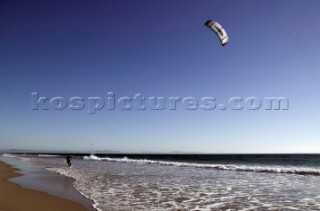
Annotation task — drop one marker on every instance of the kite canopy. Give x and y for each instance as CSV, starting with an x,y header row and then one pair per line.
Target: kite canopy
x,y
219,30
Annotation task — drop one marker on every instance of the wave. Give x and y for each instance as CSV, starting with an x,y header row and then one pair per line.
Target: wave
x,y
26,155
48,155
9,155
230,167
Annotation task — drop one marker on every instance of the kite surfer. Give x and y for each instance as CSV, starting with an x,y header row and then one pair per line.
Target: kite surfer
x,y
68,160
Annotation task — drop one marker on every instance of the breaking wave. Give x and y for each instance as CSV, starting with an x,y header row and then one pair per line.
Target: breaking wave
x,y
48,155
229,167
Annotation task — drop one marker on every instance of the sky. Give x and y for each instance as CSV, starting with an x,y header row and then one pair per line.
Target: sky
x,y
85,49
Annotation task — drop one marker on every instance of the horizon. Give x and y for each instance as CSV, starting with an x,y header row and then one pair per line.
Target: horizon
x,y
112,53
111,152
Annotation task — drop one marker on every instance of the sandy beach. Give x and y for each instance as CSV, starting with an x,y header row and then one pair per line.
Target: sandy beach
x,y
15,198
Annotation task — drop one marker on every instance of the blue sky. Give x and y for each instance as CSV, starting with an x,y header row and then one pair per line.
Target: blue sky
x,y
160,48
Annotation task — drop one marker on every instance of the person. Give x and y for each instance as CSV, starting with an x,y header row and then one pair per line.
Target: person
x,y
68,160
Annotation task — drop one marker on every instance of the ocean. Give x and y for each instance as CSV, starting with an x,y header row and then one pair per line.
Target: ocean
x,y
191,182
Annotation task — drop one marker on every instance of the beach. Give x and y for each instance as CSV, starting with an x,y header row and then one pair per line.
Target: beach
x,y
14,197
159,105
179,182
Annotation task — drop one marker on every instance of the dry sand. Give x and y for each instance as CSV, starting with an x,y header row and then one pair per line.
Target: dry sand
x,y
15,198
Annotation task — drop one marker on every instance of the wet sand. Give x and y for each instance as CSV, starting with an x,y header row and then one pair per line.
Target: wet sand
x,y
14,197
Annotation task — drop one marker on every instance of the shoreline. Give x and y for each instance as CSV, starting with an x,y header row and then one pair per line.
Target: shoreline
x,y
16,197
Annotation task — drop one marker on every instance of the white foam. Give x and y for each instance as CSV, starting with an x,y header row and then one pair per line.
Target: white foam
x,y
78,177
48,156
9,155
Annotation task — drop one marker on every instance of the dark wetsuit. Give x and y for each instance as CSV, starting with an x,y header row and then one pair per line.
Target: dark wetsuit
x,y
68,159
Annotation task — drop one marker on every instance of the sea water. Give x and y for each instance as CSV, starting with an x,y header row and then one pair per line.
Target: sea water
x,y
192,182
